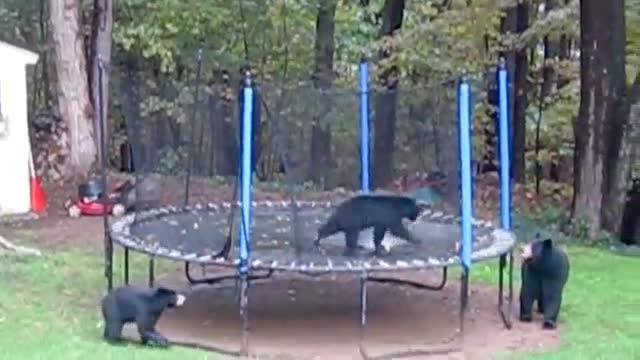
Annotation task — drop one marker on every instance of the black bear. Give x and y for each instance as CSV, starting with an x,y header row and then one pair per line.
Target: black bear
x,y
545,271
143,306
382,212
629,233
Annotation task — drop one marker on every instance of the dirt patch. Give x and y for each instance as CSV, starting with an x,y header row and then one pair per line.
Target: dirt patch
x,y
302,318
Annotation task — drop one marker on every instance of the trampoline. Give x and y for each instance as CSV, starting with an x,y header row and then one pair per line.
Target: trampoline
x,y
259,237
196,234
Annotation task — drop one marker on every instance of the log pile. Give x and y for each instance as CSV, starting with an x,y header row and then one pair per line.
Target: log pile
x,y
50,147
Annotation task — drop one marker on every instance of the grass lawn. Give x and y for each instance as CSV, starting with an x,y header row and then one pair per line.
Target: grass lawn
x,y
48,309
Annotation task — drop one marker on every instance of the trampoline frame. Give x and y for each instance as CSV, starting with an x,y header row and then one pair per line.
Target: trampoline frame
x,y
244,275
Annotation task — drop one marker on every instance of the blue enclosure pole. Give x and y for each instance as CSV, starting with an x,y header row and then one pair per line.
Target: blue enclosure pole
x,y
505,181
245,221
464,123
364,126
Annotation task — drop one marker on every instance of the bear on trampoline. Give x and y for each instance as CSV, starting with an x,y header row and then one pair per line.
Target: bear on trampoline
x,y
382,212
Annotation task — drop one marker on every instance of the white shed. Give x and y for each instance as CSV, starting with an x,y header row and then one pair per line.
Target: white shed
x,y
14,129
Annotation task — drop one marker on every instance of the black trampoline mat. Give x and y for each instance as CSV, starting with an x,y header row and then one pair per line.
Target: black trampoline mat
x,y
199,233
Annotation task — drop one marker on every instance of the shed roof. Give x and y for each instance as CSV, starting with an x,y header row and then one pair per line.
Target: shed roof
x,y
12,52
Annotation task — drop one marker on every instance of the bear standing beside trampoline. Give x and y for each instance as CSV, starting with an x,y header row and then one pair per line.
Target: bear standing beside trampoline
x,y
545,271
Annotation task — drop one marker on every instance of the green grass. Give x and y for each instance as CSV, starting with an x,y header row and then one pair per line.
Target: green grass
x,y
601,307
49,309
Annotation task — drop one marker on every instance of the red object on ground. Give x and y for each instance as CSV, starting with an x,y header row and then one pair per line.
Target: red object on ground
x,y
38,196
95,207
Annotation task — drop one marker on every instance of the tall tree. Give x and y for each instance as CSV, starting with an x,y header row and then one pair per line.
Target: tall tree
x,y
621,133
322,75
598,123
551,53
73,88
515,21
102,27
384,122
520,98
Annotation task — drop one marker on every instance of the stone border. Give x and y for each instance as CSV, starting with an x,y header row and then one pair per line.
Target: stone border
x,y
502,241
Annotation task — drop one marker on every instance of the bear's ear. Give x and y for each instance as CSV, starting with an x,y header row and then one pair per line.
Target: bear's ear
x,y
547,244
163,291
423,205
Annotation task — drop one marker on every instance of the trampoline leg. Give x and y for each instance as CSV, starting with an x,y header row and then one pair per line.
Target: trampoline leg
x,y
505,314
108,261
510,298
244,313
151,272
433,350
126,266
363,315
464,297
363,302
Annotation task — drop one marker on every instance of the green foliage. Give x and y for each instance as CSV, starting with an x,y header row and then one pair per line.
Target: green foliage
x,y
171,162
633,37
278,37
576,231
600,306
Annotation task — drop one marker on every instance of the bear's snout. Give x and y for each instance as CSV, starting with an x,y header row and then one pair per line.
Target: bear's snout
x,y
180,299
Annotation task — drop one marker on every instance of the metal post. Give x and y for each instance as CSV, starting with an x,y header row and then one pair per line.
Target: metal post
x,y
364,126
505,190
245,219
126,266
152,277
247,122
505,181
466,188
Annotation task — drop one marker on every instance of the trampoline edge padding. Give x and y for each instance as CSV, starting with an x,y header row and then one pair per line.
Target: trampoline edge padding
x,y
499,242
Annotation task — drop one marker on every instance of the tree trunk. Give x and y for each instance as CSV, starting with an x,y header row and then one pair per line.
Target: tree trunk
x,y
384,122
44,38
320,157
100,48
509,24
623,146
600,97
618,160
564,53
73,88
225,139
551,53
520,101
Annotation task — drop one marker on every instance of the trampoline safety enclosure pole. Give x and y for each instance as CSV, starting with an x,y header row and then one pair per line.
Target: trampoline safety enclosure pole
x,y
247,117
464,123
505,181
364,126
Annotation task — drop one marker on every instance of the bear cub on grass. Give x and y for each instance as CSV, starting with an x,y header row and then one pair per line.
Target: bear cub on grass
x,y
128,304
545,271
381,212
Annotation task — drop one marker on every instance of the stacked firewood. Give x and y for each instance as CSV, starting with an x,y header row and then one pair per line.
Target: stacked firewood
x,y
50,144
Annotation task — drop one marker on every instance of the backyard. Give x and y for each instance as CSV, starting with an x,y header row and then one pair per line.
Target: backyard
x,y
480,111
49,304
